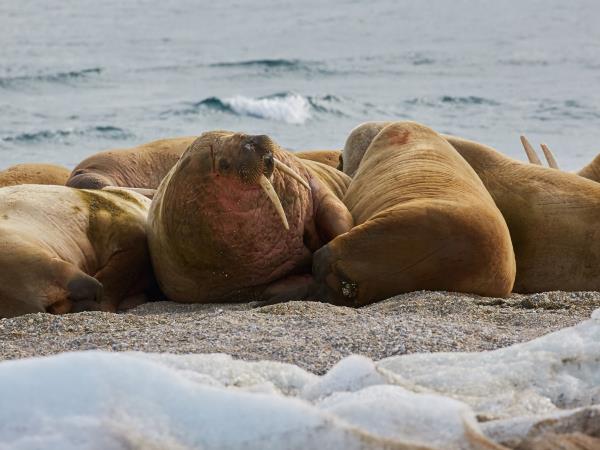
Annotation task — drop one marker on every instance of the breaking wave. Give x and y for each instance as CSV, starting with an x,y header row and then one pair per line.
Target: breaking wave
x,y
288,107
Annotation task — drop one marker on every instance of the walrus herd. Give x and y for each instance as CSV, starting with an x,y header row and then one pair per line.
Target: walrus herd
x,y
227,216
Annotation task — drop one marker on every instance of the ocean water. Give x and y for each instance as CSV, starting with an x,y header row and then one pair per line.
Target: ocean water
x,y
79,76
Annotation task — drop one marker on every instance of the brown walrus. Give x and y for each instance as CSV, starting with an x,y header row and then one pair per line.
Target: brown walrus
x,y
551,215
68,250
238,219
591,171
331,158
33,173
423,220
142,167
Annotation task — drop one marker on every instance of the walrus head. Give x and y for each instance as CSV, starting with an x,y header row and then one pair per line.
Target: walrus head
x,y
251,159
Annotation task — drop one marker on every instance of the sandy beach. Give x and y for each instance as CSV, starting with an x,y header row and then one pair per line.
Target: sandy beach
x,y
311,335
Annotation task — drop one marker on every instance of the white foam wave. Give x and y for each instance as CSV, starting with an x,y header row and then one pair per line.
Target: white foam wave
x,y
290,108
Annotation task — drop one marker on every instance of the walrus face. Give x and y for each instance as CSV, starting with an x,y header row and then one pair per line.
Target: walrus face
x,y
254,158
251,159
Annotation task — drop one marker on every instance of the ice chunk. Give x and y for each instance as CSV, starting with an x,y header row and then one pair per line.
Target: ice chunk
x,y
350,374
559,370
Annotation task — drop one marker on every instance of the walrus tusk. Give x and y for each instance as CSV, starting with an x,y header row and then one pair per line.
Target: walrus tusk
x,y
266,185
289,171
549,157
531,154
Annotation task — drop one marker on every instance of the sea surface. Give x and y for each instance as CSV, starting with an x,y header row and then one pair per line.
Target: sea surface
x,y
79,76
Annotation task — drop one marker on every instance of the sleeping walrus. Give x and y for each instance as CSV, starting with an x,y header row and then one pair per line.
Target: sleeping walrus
x,y
423,219
141,167
68,250
552,215
33,173
238,218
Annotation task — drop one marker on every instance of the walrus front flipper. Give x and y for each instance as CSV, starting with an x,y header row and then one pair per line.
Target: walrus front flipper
x,y
73,290
332,218
292,288
84,292
133,260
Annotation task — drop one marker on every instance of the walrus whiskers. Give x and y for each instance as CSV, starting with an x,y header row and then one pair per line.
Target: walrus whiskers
x,y
266,185
549,157
531,154
289,171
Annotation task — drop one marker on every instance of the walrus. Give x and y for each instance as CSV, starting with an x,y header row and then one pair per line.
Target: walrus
x,y
34,173
424,220
66,250
552,216
591,171
238,218
141,167
331,158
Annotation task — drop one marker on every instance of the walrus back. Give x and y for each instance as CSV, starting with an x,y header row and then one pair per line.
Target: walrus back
x,y
552,217
33,173
331,158
143,166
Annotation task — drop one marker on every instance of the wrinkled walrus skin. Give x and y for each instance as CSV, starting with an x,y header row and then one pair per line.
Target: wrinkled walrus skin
x,y
142,167
423,220
64,250
33,173
552,216
215,235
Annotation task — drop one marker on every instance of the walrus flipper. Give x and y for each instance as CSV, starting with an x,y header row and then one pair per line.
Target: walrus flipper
x,y
332,218
84,292
291,288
